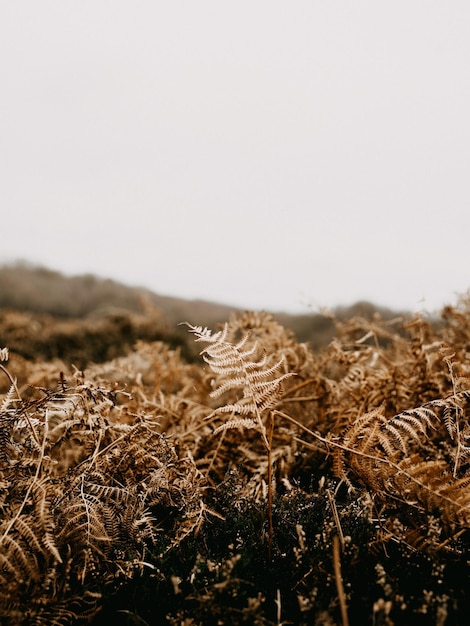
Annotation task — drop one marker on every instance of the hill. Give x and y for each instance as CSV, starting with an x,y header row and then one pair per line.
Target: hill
x,y
44,313
25,287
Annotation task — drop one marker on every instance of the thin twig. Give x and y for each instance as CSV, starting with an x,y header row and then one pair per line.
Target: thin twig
x,y
336,517
339,581
270,485
292,390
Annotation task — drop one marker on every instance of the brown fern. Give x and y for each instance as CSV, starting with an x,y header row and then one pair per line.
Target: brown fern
x,y
238,368
391,457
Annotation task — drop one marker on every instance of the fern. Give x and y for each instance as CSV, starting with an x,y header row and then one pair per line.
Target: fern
x,y
75,493
238,368
387,455
7,400
236,423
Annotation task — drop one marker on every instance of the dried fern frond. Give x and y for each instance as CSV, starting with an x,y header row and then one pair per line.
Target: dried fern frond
x,y
77,509
238,368
390,456
236,423
7,400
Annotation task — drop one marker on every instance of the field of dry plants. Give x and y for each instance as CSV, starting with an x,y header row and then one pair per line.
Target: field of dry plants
x,y
245,480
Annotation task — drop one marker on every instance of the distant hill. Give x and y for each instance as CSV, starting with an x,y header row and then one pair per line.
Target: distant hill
x,y
45,292
35,289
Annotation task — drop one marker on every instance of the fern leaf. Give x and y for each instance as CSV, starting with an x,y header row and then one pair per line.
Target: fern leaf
x,y
7,400
236,409
232,383
50,544
394,432
17,557
28,533
205,334
451,415
237,423
240,370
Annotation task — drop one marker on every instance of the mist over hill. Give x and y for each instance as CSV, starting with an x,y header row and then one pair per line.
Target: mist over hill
x,y
111,314
39,289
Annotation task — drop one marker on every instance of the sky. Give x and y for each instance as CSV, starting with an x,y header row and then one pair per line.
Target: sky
x,y
266,154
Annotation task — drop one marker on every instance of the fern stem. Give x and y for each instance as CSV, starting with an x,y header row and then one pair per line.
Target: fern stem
x,y
339,581
270,485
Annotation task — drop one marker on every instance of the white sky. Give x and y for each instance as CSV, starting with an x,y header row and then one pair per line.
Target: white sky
x,y
263,153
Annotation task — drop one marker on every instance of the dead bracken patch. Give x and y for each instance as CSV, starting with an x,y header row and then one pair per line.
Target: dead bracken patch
x,y
264,483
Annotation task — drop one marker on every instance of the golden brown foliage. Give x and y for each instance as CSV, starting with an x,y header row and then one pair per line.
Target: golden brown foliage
x,y
104,471
84,492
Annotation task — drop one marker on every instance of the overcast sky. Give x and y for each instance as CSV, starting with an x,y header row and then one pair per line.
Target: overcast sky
x,y
262,153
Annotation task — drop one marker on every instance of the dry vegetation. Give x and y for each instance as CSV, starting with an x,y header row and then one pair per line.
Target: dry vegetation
x,y
262,483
